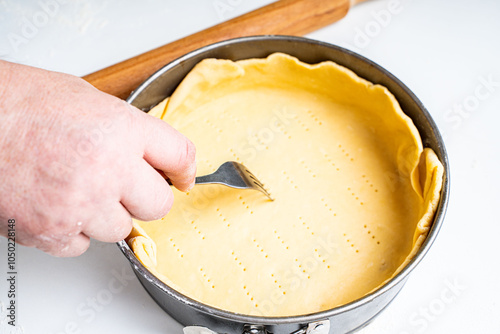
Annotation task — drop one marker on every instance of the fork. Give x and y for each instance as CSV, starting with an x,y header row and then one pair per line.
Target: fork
x,y
234,175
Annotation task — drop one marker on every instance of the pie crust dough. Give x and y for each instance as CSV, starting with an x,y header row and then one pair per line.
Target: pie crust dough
x,y
355,192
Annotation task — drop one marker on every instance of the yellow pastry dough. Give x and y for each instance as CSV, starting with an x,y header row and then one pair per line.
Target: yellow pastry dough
x,y
355,192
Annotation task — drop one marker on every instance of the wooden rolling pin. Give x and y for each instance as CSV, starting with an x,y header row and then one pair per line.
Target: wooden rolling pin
x,y
284,17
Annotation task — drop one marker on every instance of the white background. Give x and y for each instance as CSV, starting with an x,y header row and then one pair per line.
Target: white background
x,y
444,51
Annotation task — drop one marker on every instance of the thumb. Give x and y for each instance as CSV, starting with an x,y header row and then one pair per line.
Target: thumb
x,y
166,149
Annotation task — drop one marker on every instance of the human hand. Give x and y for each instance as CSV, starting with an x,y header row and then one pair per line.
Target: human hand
x,y
76,163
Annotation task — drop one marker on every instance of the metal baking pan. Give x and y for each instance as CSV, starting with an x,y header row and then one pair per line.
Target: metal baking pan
x,y
343,319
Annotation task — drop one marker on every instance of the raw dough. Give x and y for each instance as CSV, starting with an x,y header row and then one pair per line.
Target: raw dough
x,y
355,192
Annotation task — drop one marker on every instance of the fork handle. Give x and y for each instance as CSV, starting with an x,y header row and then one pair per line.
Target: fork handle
x,y
205,179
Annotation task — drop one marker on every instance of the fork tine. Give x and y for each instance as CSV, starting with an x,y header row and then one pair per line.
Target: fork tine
x,y
236,175
260,184
267,193
250,174
256,181
264,190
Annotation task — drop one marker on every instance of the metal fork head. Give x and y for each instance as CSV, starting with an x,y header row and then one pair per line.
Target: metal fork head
x,y
235,175
250,180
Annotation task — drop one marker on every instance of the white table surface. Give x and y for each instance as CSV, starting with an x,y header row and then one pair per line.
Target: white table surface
x,y
445,51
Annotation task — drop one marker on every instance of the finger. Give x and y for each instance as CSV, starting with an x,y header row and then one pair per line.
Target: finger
x,y
170,151
147,196
111,226
69,247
